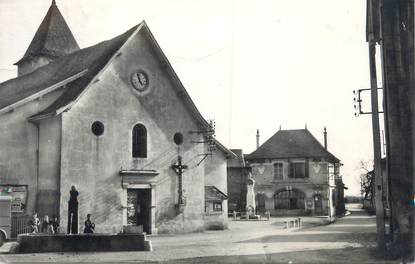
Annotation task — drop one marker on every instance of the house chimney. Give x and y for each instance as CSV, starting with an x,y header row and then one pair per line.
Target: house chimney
x,y
325,138
257,138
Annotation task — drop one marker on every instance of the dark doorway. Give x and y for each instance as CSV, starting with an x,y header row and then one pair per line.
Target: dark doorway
x,y
260,203
318,205
139,208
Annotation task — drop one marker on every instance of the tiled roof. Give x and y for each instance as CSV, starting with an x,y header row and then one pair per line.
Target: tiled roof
x,y
91,59
214,194
53,37
298,143
237,161
86,63
228,153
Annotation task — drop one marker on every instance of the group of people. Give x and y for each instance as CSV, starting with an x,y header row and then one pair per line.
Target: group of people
x,y
52,226
49,226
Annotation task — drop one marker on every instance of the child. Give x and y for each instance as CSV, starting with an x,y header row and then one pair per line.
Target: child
x,y
34,223
89,226
55,224
47,226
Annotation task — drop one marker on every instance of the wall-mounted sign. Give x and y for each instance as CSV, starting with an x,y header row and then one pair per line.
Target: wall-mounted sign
x,y
18,194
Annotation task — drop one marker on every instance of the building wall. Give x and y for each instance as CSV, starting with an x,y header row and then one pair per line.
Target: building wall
x,y
19,145
237,177
93,163
318,171
49,166
215,175
320,181
398,78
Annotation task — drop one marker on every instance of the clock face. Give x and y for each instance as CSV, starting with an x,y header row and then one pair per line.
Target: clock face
x,y
139,81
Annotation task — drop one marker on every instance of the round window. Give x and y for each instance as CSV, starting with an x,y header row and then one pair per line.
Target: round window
x,y
97,128
178,138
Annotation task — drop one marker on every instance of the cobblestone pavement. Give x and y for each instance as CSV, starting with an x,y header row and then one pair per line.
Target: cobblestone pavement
x,y
350,239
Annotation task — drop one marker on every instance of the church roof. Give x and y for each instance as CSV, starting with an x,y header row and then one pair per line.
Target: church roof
x,y
298,143
53,37
84,64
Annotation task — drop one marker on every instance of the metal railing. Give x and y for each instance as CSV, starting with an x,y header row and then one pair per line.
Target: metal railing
x,y
20,225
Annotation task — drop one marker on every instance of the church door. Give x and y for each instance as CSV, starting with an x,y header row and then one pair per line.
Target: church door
x,y
139,208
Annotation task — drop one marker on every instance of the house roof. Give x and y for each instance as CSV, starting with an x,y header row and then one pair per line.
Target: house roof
x,y
238,160
91,59
214,194
228,153
299,143
53,37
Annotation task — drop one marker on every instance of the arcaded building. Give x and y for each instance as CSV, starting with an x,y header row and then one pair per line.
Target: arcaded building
x,y
294,175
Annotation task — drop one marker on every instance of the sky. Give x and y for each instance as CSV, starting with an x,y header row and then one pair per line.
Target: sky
x,y
247,64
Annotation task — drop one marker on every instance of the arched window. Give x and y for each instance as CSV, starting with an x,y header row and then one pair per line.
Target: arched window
x,y
139,141
289,199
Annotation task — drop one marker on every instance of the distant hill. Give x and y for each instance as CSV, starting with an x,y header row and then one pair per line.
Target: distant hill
x,y
352,199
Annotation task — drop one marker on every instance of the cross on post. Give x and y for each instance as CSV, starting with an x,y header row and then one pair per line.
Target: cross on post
x,y
179,169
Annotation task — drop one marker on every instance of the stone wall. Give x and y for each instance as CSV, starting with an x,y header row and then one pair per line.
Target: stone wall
x,y
215,175
19,149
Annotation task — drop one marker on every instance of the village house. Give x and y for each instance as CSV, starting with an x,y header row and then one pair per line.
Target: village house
x,y
114,121
294,175
238,173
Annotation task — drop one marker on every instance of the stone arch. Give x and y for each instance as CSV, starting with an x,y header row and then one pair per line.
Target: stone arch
x,y
292,199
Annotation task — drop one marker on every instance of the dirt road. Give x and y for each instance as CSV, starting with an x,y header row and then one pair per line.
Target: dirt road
x,y
350,239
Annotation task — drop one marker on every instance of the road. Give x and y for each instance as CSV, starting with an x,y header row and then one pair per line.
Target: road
x,y
350,239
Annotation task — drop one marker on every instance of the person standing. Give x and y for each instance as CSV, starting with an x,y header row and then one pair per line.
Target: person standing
x,y
73,211
89,226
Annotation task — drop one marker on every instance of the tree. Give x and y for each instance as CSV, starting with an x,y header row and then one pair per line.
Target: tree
x,y
367,183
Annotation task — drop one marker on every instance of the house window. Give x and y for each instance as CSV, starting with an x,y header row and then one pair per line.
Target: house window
x,y
217,206
278,171
139,141
298,170
289,200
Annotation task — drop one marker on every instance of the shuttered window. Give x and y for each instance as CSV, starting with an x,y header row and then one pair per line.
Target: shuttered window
x,y
278,171
298,170
139,141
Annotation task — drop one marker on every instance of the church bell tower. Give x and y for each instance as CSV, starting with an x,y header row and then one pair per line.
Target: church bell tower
x,y
53,39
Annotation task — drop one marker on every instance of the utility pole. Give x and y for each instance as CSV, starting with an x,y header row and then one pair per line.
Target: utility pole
x,y
380,219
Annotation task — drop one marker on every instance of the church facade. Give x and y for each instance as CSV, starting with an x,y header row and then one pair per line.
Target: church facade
x,y
112,120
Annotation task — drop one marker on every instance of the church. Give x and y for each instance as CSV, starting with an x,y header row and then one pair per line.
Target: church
x,y
114,121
